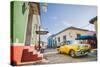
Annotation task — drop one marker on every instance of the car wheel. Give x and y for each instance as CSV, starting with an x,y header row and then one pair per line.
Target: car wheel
x,y
59,51
72,53
86,55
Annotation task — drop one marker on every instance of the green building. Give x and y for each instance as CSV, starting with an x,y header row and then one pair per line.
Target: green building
x,y
25,21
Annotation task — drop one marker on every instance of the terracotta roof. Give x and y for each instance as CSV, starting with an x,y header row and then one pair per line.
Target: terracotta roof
x,y
93,19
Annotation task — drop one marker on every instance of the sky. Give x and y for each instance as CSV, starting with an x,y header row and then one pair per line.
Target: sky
x,y
61,16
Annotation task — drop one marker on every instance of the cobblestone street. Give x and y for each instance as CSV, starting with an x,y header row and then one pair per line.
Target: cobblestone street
x,y
53,57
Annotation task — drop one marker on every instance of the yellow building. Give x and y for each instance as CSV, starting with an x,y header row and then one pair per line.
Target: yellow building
x,y
70,33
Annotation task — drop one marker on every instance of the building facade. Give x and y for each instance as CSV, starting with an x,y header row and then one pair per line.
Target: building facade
x,y
50,41
25,21
20,13
94,21
69,34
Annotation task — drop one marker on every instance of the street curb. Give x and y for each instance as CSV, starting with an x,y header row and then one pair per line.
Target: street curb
x,y
50,53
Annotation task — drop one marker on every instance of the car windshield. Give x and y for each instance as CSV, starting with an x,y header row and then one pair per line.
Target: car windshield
x,y
72,42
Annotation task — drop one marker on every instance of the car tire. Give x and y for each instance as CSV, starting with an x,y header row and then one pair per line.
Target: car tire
x,y
72,53
59,51
86,55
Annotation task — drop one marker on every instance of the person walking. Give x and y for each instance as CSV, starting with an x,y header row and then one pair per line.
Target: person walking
x,y
42,47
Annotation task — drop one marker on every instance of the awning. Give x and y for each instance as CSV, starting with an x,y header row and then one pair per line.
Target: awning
x,y
85,37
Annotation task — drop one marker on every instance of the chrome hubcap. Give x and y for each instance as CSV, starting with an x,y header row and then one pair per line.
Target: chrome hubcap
x,y
72,53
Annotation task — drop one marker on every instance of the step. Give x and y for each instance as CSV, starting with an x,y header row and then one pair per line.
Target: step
x,y
28,63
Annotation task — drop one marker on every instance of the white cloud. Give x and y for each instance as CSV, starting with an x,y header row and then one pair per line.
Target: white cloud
x,y
65,23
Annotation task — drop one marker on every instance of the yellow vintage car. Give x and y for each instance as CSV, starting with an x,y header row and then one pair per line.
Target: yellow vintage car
x,y
74,49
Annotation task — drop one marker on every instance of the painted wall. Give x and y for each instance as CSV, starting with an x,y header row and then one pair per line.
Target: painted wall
x,y
19,22
50,41
19,19
70,34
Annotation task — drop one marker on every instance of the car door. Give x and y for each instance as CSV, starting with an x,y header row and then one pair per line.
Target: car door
x,y
66,49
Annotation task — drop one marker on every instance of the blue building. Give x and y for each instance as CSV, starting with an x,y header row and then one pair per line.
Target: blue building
x,y
50,41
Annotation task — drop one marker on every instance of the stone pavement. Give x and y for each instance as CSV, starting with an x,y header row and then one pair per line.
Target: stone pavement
x,y
53,57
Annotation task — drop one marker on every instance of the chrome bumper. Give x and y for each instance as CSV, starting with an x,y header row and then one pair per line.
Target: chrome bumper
x,y
81,52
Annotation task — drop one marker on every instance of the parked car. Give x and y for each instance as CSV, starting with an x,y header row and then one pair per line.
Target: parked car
x,y
74,48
